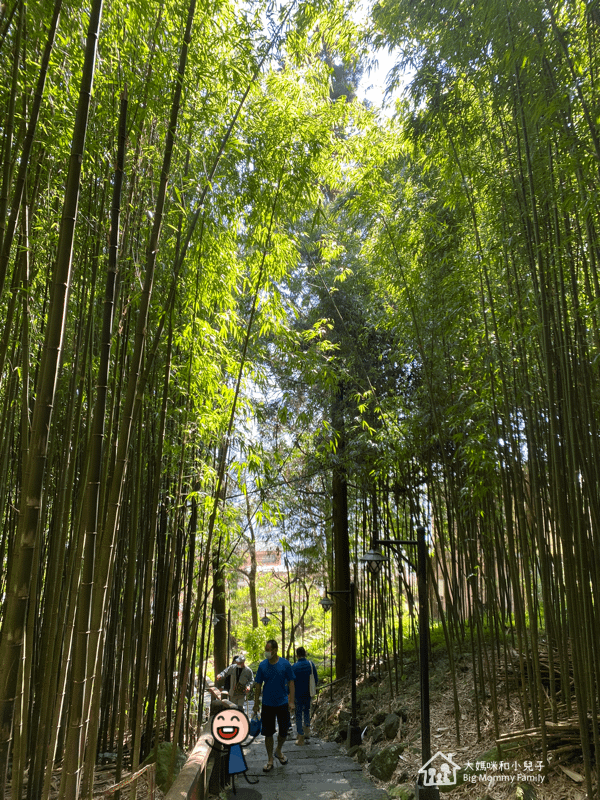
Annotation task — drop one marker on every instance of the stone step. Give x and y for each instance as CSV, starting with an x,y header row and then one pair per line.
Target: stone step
x,y
319,770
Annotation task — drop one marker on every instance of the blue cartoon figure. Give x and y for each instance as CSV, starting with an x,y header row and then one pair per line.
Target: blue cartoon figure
x,y
231,727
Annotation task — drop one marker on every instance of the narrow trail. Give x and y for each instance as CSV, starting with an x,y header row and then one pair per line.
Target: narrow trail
x,y
319,771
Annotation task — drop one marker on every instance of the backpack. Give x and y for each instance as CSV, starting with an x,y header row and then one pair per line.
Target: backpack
x,y
312,684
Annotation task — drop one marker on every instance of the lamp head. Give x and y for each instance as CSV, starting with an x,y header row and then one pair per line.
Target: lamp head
x,y
374,560
326,603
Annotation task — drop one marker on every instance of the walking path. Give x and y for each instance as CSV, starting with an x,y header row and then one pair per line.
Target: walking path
x,y
318,771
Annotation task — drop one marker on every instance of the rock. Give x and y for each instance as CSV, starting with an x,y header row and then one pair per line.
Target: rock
x,y
402,713
404,792
391,726
379,718
372,753
378,735
385,762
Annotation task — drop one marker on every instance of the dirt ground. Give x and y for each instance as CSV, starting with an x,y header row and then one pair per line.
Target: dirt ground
x,y
489,783
104,777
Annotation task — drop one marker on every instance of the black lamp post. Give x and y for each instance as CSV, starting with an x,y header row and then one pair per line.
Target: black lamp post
x,y
326,603
265,621
374,560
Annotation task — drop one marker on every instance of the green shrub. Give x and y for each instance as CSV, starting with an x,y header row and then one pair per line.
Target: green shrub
x,y
254,639
162,756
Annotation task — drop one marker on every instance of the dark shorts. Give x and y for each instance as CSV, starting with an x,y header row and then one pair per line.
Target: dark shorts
x,y
271,713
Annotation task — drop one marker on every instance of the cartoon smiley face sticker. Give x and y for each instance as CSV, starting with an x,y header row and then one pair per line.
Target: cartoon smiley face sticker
x,y
230,726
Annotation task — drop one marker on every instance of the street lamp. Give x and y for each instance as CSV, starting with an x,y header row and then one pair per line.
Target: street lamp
x,y
374,560
354,733
374,565
265,621
326,603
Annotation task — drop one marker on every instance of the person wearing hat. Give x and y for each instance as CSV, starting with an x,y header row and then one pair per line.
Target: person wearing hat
x,y
238,680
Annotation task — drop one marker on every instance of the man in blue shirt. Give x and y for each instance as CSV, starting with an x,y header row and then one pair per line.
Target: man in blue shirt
x,y
303,668
273,673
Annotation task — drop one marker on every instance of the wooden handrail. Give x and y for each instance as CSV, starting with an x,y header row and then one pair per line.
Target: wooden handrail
x,y
193,780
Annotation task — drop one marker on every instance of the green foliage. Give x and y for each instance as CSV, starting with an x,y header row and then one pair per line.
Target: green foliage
x,y
254,143
253,640
439,270
161,756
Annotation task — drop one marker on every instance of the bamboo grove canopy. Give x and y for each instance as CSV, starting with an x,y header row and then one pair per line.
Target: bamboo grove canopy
x,y
224,276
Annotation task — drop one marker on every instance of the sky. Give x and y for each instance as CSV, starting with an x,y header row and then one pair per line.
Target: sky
x,y
372,85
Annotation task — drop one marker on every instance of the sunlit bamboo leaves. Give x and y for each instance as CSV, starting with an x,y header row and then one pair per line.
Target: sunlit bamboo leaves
x,y
494,259
246,154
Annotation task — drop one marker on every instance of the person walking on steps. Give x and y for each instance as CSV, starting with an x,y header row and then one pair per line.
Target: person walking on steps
x,y
304,670
271,675
238,680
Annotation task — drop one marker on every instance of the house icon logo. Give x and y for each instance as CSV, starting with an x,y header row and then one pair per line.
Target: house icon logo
x,y
440,770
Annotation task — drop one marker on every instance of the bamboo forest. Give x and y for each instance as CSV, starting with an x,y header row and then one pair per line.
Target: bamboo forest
x,y
248,315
